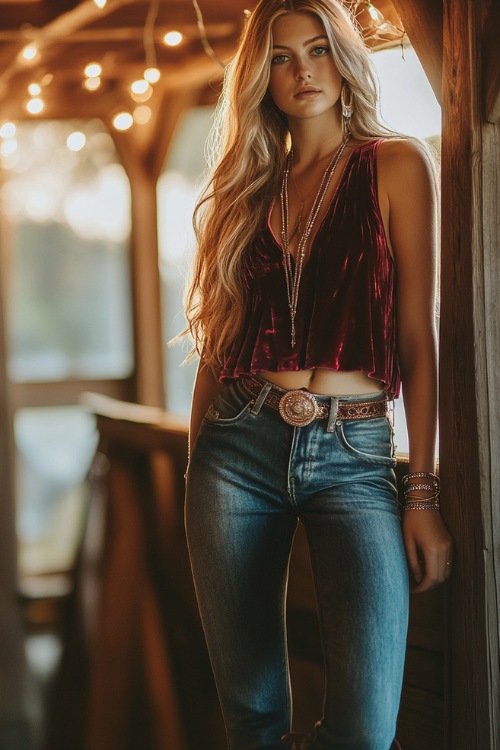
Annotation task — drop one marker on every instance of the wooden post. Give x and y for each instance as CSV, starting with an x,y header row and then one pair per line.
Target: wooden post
x,y
470,345
142,153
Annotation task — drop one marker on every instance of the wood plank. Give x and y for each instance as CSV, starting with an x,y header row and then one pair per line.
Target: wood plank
x,y
423,22
491,67
462,397
489,414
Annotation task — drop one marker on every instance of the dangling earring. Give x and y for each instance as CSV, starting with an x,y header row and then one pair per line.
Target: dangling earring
x,y
347,108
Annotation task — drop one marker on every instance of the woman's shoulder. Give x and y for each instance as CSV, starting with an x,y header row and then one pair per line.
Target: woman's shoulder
x,y
403,161
402,152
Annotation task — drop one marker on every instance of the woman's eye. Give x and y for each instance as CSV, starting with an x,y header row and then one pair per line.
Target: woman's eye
x,y
318,51
279,59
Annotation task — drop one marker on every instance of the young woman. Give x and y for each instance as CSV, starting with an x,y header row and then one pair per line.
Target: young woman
x,y
312,299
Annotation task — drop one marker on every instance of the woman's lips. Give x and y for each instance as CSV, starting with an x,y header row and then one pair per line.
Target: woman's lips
x,y
307,93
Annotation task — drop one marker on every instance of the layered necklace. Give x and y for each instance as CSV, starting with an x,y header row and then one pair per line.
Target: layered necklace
x,y
293,275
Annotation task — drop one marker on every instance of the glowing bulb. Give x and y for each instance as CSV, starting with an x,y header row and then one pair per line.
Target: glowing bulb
x,y
8,130
35,106
34,89
140,87
123,121
8,147
76,141
92,84
30,52
172,38
142,114
372,11
93,70
100,3
152,75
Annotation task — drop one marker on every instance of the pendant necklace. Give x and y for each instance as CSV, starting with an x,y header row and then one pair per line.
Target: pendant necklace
x,y
293,276
302,199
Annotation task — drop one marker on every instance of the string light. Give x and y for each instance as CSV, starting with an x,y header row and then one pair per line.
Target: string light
x,y
173,38
92,84
140,86
142,114
204,37
35,106
378,30
76,141
152,75
374,13
29,52
34,89
93,70
8,130
123,121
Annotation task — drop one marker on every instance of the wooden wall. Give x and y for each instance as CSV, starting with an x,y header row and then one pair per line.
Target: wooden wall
x,y
470,348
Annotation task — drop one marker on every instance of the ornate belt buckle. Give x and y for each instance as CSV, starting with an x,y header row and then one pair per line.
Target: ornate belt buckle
x,y
298,408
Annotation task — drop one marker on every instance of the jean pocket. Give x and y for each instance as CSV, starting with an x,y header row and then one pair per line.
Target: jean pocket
x,y
370,440
228,408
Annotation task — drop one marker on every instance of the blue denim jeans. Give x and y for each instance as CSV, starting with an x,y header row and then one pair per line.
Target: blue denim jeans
x,y
251,478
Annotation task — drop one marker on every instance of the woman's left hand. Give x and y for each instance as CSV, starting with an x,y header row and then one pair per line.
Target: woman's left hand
x,y
429,549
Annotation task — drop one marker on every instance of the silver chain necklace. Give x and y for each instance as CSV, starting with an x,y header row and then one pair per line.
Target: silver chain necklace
x,y
293,276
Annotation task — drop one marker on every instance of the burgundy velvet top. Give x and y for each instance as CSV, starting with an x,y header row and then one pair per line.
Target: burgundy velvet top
x,y
346,317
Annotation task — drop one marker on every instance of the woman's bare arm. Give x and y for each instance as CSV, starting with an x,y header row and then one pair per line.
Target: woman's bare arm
x,y
406,185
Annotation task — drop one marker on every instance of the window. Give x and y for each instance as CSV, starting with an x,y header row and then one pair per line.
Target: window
x,y
66,203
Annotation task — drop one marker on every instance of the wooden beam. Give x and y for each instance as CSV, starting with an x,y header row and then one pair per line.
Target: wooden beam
x,y
491,67
65,24
423,22
470,347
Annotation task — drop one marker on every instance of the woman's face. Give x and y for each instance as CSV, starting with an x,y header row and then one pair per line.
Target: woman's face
x,y
304,80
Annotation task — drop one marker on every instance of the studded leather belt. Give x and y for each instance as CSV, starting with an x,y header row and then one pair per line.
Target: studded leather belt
x,y
299,408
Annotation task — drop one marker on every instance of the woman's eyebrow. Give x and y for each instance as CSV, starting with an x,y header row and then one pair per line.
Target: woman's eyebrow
x,y
308,41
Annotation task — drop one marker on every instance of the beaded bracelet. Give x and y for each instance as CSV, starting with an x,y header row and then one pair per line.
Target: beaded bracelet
x,y
430,487
421,505
421,475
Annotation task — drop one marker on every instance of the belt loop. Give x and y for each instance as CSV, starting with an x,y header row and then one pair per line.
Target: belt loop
x,y
334,408
261,398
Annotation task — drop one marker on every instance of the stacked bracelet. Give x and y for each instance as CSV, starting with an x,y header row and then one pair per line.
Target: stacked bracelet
x,y
422,481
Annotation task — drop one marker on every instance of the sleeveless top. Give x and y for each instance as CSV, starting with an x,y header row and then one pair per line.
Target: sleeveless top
x,y
346,317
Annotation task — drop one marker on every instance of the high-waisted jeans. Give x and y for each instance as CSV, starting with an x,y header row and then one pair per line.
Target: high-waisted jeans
x,y
251,478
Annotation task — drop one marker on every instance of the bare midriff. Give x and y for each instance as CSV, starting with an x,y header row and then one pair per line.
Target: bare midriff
x,y
325,382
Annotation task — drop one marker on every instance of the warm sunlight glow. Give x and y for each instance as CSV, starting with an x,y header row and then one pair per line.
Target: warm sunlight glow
x,y
100,3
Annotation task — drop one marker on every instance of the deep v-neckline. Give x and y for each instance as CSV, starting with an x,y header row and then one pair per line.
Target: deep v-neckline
x,y
325,216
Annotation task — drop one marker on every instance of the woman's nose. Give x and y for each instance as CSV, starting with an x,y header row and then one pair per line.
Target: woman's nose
x,y
302,71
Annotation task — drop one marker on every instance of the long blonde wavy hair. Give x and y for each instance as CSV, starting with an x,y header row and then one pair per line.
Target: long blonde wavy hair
x,y
248,146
